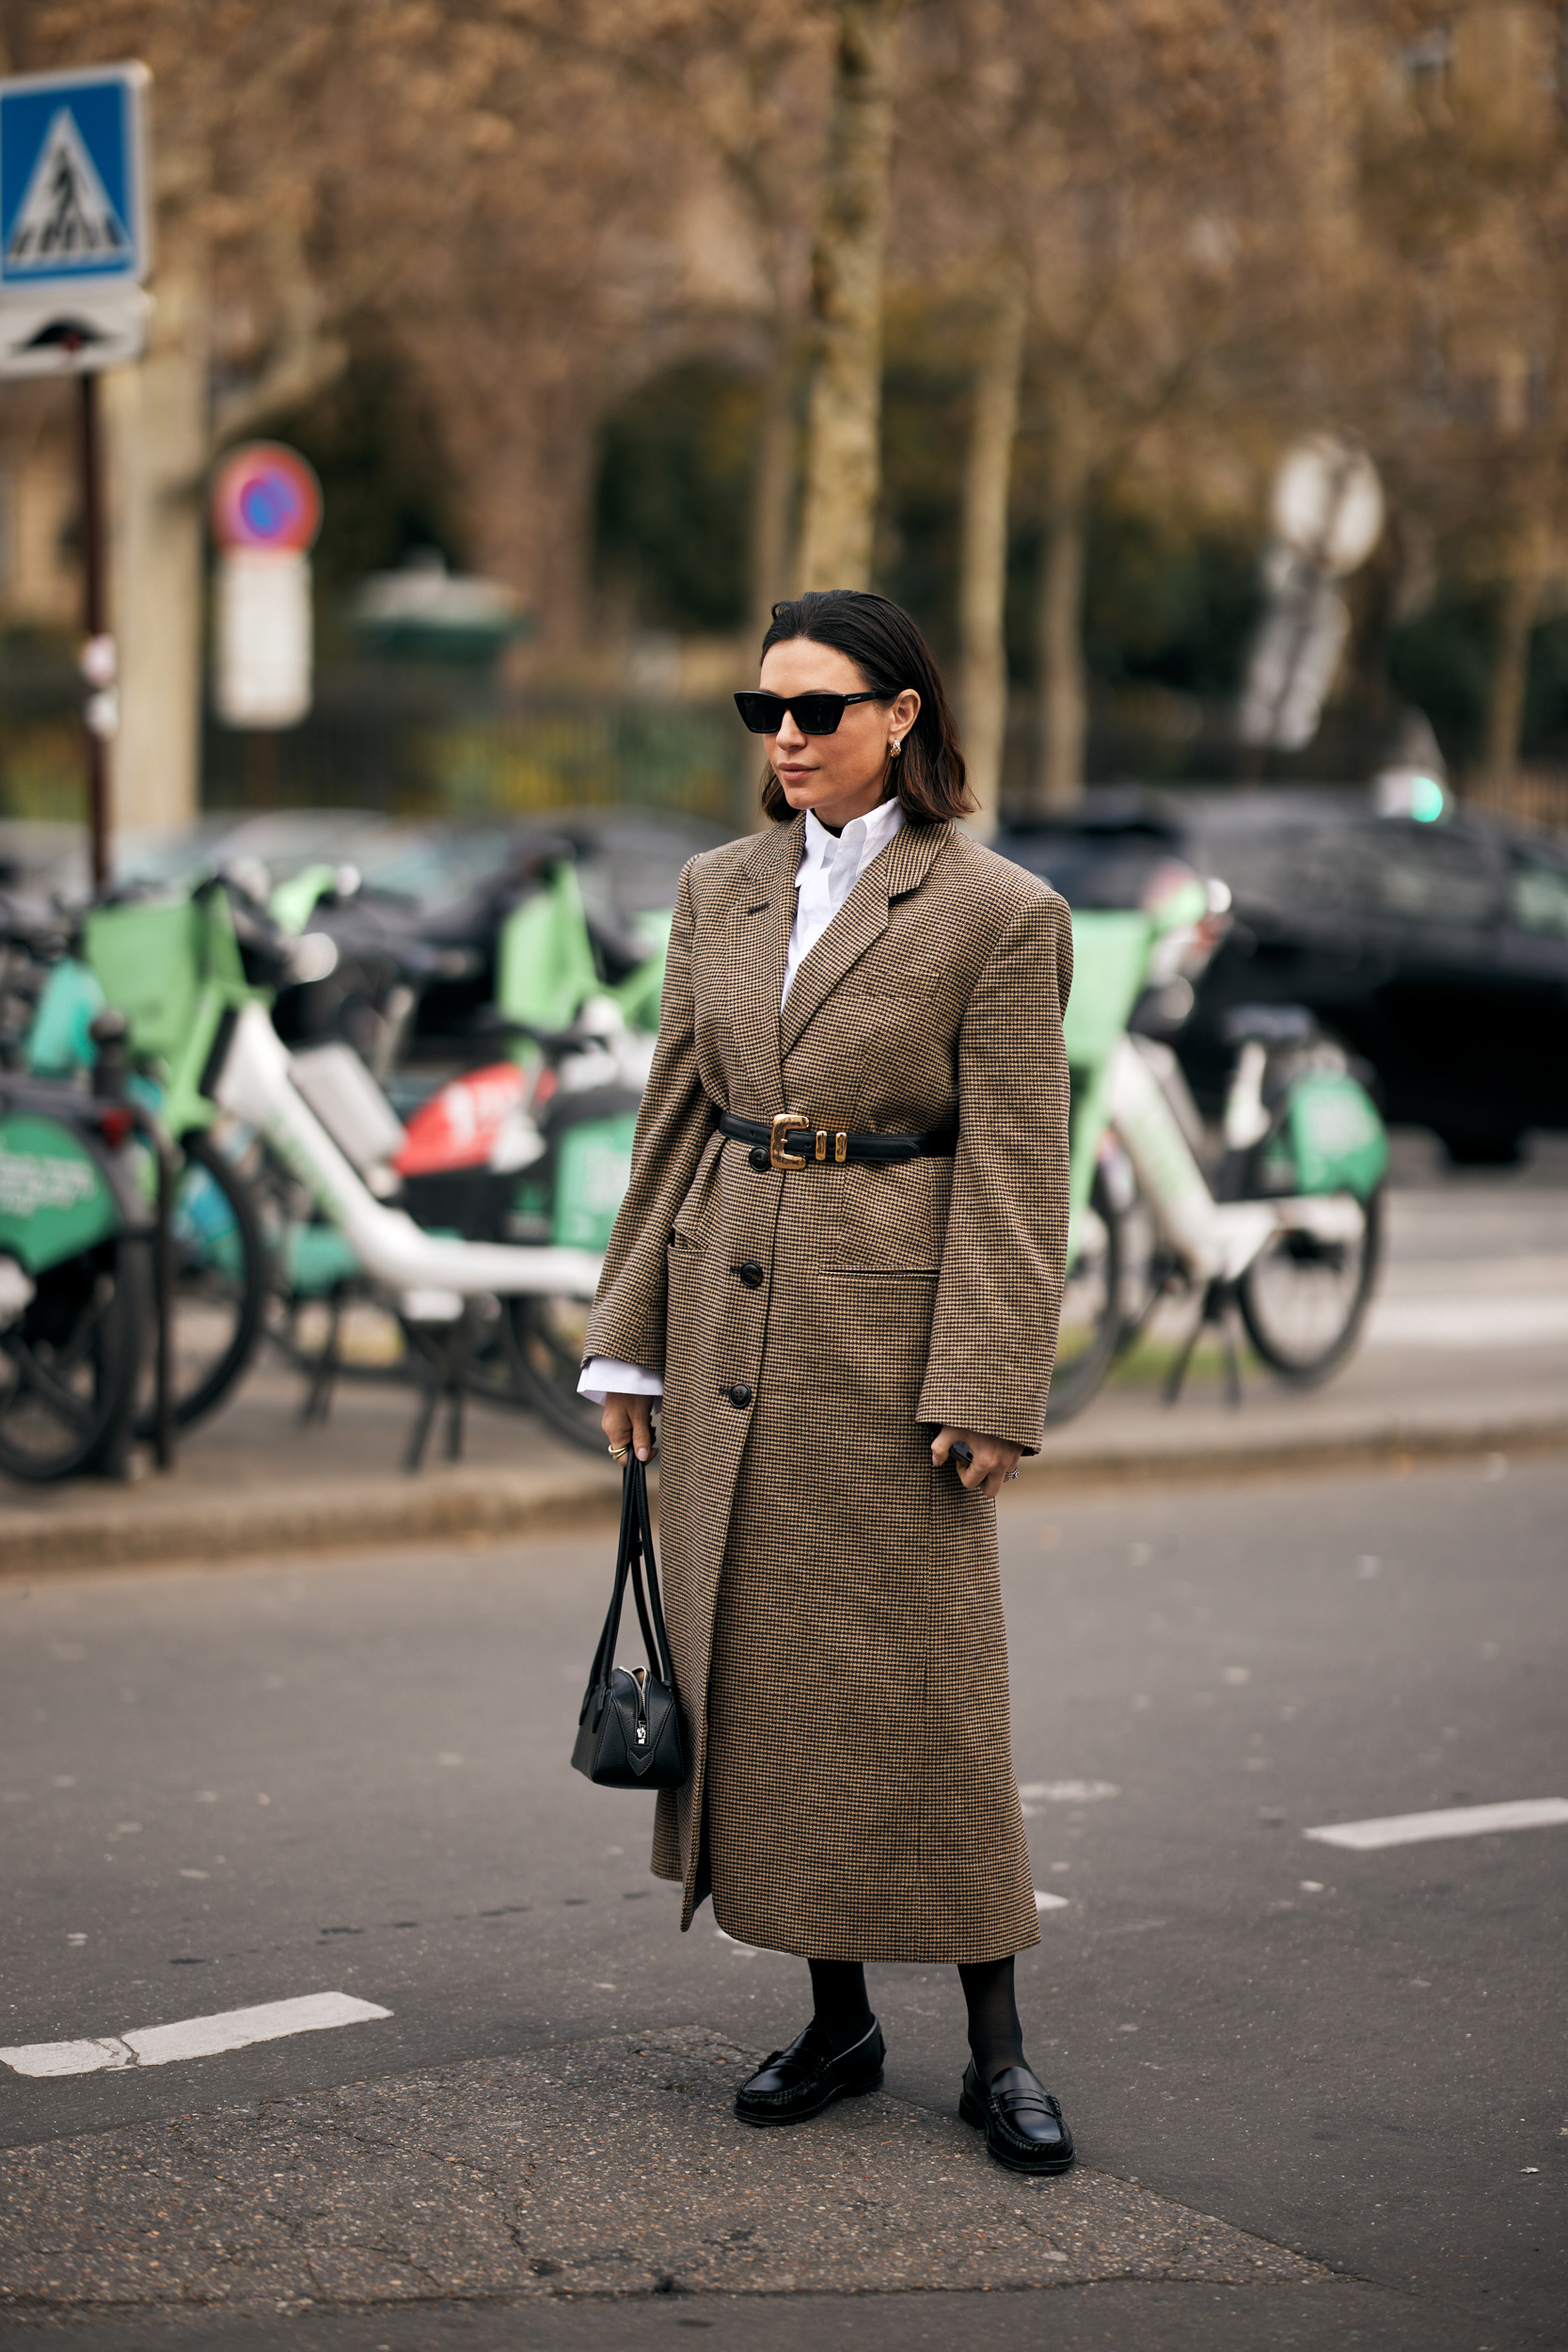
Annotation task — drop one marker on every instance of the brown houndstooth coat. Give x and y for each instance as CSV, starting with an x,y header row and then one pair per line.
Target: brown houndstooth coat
x,y
834,1603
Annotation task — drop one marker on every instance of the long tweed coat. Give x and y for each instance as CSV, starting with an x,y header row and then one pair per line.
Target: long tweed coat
x,y
832,1600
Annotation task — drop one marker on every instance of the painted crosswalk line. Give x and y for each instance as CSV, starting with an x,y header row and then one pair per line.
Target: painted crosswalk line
x,y
193,2037
1496,1321
1464,1821
1048,1902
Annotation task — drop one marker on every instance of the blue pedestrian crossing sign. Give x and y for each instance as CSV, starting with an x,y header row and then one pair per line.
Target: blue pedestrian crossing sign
x,y
74,241
72,182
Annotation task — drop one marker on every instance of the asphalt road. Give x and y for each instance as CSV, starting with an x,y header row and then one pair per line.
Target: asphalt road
x,y
237,1786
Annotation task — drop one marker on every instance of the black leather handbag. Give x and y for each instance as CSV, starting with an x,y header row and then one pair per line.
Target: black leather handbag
x,y
631,1733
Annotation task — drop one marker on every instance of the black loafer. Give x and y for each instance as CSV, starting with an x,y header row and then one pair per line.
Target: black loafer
x,y
800,2082
1022,2122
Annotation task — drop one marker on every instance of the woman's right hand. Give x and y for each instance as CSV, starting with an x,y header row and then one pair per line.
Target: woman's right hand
x,y
629,1420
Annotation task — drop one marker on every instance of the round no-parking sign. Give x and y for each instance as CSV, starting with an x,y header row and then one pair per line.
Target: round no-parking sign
x,y
266,495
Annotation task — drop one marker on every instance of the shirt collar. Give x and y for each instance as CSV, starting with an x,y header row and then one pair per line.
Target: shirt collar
x,y
863,835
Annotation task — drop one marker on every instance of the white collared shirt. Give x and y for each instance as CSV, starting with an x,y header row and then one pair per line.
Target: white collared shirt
x,y
830,866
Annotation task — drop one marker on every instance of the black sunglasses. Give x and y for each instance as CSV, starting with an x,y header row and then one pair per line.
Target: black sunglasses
x,y
815,714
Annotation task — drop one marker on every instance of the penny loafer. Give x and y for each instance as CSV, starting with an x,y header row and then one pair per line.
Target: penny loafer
x,y
1023,2124
794,2084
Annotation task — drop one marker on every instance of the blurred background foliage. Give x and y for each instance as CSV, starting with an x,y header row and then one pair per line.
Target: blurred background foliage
x,y
531,283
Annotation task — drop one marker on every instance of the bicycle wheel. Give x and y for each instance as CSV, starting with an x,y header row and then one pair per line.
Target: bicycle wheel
x,y
1091,1308
68,1363
1304,1300
544,1341
220,1284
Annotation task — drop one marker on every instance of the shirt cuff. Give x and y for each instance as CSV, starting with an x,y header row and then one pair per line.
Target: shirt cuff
x,y
606,1376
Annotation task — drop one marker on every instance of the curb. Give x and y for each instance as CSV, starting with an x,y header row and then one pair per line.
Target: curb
x,y
500,1507
154,1529
1387,1445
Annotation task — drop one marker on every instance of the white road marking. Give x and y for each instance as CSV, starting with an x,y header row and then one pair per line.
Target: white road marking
x,y
193,2037
1068,1792
747,1951
1500,1321
1048,1902
1464,1821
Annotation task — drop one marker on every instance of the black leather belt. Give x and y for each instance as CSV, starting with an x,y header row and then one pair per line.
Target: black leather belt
x,y
790,1139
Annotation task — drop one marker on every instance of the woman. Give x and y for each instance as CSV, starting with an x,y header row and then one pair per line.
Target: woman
x,y
839,1258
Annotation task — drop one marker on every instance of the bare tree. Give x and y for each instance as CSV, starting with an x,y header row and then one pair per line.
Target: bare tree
x,y
1457,357
1117,154
843,455
983,566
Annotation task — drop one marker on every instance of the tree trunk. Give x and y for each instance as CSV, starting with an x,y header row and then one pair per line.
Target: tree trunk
x,y
157,455
1517,609
773,487
983,582
844,417
1063,692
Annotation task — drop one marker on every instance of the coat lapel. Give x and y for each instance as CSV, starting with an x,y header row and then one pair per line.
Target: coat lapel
x,y
760,923
857,925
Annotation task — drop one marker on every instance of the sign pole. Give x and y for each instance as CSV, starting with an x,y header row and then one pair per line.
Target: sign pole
x,y
75,253
95,616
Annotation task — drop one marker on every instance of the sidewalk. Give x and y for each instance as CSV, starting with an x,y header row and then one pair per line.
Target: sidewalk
x,y
1465,1354
497,2181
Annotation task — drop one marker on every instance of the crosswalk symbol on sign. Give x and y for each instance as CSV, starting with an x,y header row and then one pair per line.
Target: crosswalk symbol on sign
x,y
74,209
66,214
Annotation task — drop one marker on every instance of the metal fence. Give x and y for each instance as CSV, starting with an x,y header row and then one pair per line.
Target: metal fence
x,y
418,742
1537,797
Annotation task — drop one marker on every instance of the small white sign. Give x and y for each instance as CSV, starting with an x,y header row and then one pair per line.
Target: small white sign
x,y
1328,504
263,637
59,335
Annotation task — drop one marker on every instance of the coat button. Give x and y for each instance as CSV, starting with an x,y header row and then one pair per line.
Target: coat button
x,y
750,1274
739,1396
758,1156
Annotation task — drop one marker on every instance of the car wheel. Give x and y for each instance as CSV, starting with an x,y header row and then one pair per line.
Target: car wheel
x,y
1481,1146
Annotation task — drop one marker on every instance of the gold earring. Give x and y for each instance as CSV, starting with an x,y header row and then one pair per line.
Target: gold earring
x,y
894,748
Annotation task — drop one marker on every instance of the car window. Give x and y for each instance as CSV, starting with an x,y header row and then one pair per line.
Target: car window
x,y
1285,867
1421,875
1407,871
1538,894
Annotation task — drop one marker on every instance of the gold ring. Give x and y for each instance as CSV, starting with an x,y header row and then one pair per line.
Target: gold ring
x,y
619,1453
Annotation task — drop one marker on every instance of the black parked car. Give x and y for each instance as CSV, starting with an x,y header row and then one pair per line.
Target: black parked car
x,y
1438,951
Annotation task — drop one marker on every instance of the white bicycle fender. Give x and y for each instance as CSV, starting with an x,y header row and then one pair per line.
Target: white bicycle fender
x,y
255,1085
1170,1177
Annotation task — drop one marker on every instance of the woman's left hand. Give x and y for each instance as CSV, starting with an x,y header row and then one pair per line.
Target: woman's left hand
x,y
990,1464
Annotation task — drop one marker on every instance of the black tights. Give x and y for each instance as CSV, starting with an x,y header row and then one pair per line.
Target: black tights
x,y
841,2010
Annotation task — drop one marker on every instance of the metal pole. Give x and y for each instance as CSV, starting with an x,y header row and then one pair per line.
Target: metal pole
x,y
162,1440
95,615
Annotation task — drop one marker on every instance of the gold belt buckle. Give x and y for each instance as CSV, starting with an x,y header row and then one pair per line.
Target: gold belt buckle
x,y
786,1124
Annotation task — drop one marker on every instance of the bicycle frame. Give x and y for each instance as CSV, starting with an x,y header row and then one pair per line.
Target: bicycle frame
x,y
252,1081
175,970
1114,1090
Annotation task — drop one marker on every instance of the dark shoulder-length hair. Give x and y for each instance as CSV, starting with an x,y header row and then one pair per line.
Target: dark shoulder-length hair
x,y
889,652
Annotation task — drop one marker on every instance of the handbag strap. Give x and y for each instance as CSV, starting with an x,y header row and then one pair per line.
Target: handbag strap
x,y
634,1556
604,1654
656,1640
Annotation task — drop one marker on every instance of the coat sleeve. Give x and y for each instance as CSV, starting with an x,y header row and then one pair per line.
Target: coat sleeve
x,y
993,1334
675,1121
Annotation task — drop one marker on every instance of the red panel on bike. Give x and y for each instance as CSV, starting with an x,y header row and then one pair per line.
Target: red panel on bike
x,y
460,1126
